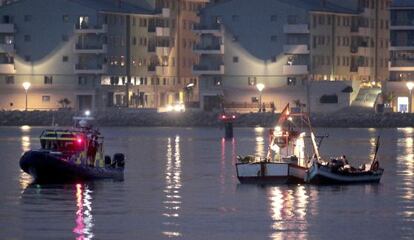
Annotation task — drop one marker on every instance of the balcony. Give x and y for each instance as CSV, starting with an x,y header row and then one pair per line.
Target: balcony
x,y
364,31
295,69
97,69
161,70
87,49
402,27
7,68
162,32
296,49
162,51
364,71
401,48
360,50
7,28
7,48
208,70
212,49
296,29
214,29
91,29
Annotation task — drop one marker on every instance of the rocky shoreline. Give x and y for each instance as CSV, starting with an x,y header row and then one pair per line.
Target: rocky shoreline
x,y
204,119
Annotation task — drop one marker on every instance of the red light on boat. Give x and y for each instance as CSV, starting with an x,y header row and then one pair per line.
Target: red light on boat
x,y
223,116
234,117
79,140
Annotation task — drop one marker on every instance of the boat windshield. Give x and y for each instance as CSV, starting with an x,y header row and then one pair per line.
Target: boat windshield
x,y
62,141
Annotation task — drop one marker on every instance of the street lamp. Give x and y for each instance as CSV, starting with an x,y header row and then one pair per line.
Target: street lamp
x,y
410,86
260,87
188,88
26,86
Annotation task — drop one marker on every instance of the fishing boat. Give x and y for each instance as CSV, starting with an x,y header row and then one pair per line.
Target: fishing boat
x,y
338,171
286,160
75,154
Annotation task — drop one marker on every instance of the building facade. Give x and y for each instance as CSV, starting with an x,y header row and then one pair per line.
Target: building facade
x,y
397,94
318,52
97,54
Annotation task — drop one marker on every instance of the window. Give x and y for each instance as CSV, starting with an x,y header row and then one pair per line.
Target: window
x,y
251,81
273,38
65,38
83,22
217,81
48,80
27,58
9,79
134,41
65,18
82,81
27,18
235,59
65,58
27,38
291,81
292,19
273,59
45,98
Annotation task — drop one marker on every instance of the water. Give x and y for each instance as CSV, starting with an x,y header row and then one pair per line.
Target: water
x,y
181,184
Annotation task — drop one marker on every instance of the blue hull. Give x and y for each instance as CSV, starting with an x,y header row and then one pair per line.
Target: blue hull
x,y
46,167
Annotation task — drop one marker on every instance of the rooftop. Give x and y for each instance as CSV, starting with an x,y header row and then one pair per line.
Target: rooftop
x,y
114,6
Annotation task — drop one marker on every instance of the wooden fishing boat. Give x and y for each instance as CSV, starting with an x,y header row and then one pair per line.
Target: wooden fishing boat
x,y
338,171
286,160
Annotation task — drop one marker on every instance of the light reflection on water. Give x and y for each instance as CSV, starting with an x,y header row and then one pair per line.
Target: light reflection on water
x,y
211,204
173,200
84,217
405,187
288,209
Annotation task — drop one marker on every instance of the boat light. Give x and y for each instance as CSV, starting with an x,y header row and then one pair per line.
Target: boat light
x,y
290,119
79,140
278,129
234,117
87,113
223,116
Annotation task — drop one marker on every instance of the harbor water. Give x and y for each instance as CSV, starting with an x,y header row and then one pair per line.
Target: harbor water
x,y
180,183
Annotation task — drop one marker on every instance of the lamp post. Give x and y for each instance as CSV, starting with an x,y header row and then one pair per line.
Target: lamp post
x,y
260,87
188,88
410,86
26,86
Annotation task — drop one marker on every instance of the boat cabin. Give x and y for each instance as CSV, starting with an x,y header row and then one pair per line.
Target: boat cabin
x,y
67,141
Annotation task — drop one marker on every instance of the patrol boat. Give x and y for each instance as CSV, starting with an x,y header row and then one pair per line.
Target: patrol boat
x,y
75,154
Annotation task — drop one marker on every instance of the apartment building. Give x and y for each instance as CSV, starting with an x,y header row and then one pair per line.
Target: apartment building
x,y
397,93
320,52
161,57
97,54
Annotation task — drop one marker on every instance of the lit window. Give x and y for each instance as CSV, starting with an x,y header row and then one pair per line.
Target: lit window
x,y
45,98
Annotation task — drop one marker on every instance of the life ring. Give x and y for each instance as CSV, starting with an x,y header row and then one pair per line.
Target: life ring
x,y
375,166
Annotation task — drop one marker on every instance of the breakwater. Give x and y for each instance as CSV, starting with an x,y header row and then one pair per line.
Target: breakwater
x,y
203,119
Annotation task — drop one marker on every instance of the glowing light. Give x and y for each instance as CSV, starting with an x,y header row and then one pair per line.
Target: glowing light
x,y
410,85
290,119
26,85
260,87
87,113
79,140
278,129
25,128
223,116
190,85
234,117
